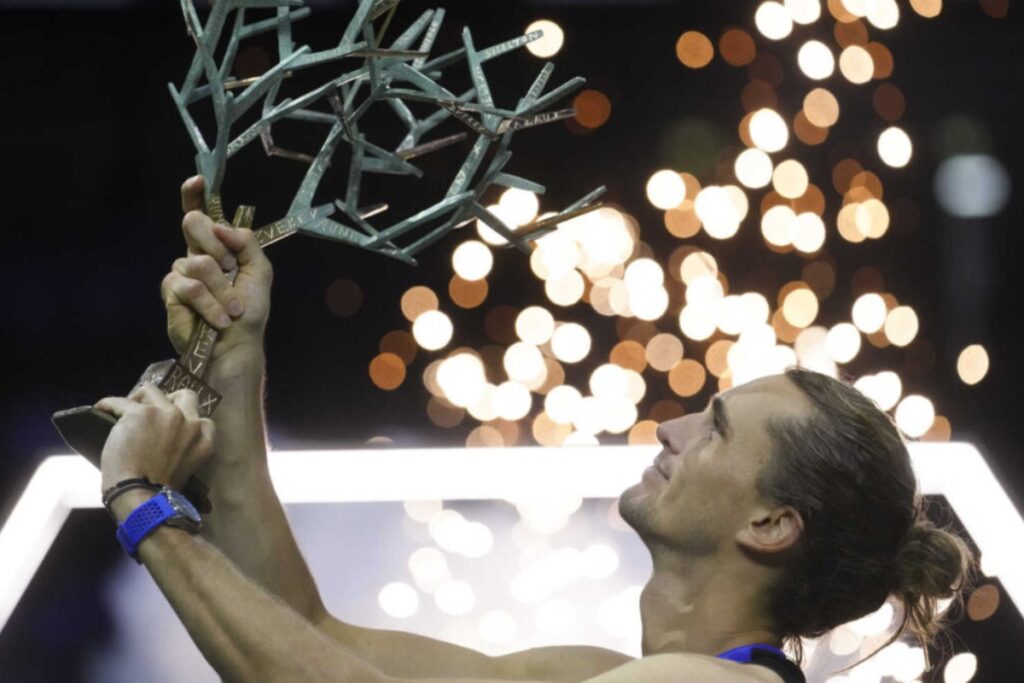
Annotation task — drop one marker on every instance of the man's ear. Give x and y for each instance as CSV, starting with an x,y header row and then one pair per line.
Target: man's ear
x,y
771,529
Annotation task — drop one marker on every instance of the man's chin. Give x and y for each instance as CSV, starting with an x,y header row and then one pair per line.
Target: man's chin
x,y
633,507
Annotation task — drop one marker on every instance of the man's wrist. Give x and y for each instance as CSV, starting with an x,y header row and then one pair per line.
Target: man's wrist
x,y
238,364
128,501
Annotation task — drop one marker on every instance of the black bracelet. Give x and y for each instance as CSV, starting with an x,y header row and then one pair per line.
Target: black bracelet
x,y
125,485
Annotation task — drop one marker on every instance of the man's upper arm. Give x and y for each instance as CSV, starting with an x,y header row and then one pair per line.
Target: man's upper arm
x,y
407,655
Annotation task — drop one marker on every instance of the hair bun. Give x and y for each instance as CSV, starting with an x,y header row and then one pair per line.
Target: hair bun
x,y
932,563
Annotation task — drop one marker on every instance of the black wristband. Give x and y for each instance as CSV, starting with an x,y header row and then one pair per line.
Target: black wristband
x,y
124,486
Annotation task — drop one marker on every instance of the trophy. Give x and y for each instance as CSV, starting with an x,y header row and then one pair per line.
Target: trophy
x,y
395,74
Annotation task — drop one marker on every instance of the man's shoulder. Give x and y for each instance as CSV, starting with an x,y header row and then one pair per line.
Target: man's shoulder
x,y
576,664
683,668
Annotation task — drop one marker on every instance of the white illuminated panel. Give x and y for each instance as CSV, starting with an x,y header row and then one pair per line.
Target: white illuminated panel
x,y
65,482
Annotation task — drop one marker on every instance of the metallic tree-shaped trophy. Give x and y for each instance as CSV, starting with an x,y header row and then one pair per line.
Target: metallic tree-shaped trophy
x,y
396,74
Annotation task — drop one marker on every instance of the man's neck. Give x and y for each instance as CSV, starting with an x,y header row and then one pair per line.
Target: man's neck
x,y
703,605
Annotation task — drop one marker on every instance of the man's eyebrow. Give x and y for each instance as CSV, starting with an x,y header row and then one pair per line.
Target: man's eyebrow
x,y
721,417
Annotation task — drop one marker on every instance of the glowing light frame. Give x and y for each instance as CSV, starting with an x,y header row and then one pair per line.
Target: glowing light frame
x,y
63,483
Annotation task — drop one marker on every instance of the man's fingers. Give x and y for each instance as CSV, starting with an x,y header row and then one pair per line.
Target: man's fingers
x,y
192,293
192,194
202,267
115,405
198,229
187,402
242,242
150,395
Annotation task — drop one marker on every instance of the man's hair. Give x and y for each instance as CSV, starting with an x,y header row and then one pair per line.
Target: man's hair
x,y
846,470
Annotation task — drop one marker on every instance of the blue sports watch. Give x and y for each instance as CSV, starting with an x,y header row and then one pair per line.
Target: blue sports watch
x,y
166,507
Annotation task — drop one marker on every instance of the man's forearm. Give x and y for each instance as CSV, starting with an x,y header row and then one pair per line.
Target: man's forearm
x,y
248,523
243,631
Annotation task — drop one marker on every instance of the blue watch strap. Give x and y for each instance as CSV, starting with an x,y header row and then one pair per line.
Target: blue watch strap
x,y
142,521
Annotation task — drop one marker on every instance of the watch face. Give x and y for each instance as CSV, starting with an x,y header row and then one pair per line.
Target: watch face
x,y
182,506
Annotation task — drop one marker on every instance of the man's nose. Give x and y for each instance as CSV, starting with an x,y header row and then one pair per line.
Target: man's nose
x,y
666,431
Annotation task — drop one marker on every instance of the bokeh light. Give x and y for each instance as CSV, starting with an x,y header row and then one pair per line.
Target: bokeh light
x,y
816,60
550,43
895,147
768,130
665,189
773,20
432,330
694,49
972,364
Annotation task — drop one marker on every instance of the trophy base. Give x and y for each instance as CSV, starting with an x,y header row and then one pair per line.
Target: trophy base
x,y
85,429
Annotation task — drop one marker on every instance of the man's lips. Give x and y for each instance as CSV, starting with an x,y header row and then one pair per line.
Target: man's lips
x,y
661,465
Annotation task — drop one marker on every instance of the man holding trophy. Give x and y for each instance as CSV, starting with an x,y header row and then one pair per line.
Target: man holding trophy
x,y
751,547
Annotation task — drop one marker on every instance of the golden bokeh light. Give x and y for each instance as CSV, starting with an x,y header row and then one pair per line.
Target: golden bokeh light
x,y
929,9
549,433
850,33
901,326
687,378
821,108
843,342
418,300
753,168
778,225
871,218
882,59
804,11
570,342
914,415
790,179
856,65
694,49
593,108
889,102
550,43
682,221
629,354
816,60
698,322
806,132
666,189
663,351
768,130
697,264
716,357
983,603
800,308
517,207
883,14
773,20
869,313
472,260
561,403
432,330
972,364
643,433
444,414
467,293
721,210
535,325
737,47
565,289
524,363
387,371
808,233
399,343
895,147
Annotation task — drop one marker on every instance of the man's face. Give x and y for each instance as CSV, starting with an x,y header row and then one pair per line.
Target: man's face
x,y
700,490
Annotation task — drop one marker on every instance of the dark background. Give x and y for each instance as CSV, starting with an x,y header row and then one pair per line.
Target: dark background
x,y
94,155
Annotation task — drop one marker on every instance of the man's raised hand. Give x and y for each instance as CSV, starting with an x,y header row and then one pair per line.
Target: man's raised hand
x,y
198,284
